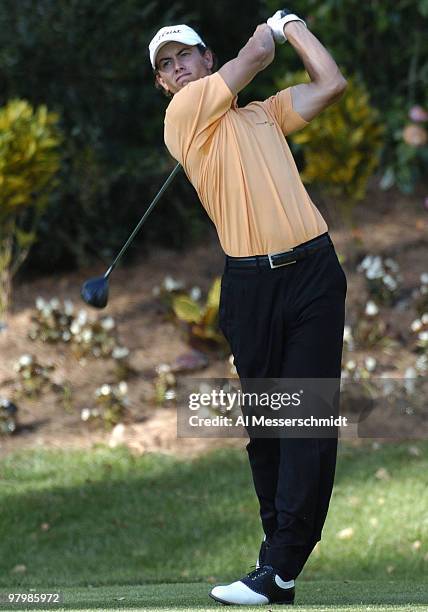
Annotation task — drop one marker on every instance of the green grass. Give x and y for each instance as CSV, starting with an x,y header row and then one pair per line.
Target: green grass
x,y
311,596
314,596
116,521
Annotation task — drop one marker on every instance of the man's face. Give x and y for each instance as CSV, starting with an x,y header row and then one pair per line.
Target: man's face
x,y
178,64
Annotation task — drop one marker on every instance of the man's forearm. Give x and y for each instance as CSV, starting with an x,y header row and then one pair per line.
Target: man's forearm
x,y
318,62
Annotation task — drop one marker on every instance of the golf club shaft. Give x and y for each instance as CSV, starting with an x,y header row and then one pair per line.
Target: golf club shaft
x,y
144,217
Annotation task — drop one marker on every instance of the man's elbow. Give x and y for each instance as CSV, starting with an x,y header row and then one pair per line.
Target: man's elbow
x,y
338,87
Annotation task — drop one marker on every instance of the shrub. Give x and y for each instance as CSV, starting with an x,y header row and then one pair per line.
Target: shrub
x,y
342,145
201,320
385,45
114,157
29,159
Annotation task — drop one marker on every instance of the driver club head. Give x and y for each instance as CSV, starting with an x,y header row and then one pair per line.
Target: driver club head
x,y
95,292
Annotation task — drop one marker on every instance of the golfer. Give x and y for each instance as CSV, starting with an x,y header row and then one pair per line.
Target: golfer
x,y
283,289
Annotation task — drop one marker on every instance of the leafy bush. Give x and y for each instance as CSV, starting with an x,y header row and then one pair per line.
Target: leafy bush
x,y
114,159
29,159
201,321
341,146
112,406
8,417
385,45
89,61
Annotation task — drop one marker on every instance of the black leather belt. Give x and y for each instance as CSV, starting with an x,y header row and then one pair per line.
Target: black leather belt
x,y
276,260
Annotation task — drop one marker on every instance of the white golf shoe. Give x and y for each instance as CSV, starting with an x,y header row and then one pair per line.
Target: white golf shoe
x,y
260,587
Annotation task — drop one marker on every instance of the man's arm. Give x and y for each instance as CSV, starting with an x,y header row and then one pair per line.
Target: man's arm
x,y
252,58
327,83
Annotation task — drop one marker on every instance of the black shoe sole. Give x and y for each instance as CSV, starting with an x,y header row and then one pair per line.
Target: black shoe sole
x,y
276,603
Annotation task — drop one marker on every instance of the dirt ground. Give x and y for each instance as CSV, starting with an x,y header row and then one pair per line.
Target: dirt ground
x,y
385,223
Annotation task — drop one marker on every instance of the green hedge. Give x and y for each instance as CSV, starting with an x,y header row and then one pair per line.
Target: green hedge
x,y
88,61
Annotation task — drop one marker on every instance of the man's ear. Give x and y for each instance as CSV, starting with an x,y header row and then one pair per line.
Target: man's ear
x,y
161,82
208,59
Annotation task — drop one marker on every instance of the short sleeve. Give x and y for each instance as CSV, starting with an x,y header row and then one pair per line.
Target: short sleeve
x,y
281,107
194,113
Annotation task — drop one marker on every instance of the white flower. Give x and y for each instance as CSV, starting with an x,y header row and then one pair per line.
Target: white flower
x,y
172,285
423,336
87,335
40,303
54,303
82,317
25,360
416,325
68,307
424,318
370,363
75,327
351,364
424,278
371,309
195,293
376,269
103,390
66,336
46,310
107,323
373,273
123,387
163,368
120,352
390,282
366,263
85,414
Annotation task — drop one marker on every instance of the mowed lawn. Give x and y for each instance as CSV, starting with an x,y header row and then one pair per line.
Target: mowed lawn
x,y
314,596
115,531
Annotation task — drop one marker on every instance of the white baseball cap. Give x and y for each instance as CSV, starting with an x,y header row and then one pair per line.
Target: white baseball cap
x,y
178,33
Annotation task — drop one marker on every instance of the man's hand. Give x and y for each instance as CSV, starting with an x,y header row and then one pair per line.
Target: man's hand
x,y
278,21
263,36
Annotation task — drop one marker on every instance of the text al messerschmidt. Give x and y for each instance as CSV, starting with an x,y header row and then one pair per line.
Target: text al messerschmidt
x,y
262,421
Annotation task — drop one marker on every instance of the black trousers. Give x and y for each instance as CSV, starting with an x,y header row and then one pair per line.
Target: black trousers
x,y
288,322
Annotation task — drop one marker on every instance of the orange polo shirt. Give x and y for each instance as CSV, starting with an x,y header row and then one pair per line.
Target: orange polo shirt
x,y
241,166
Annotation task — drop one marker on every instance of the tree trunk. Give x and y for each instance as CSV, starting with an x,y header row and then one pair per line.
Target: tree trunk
x,y
6,246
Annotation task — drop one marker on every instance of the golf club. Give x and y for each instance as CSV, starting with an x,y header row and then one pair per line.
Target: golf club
x,y
95,290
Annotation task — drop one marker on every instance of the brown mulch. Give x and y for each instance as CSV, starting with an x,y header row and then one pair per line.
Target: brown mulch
x,y
385,223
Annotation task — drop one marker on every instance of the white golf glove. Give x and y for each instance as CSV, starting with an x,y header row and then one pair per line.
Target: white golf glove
x,y
278,21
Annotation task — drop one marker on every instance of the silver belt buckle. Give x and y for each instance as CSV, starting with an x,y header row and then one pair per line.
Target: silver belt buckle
x,y
287,263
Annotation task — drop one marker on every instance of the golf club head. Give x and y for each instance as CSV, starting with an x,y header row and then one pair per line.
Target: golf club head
x,y
95,292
